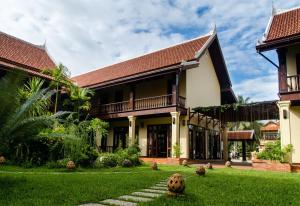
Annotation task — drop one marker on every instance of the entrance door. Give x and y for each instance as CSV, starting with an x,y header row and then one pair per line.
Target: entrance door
x,y
120,134
158,140
197,142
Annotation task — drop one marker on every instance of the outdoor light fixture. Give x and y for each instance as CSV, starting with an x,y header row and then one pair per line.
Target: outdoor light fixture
x,y
285,114
173,120
129,123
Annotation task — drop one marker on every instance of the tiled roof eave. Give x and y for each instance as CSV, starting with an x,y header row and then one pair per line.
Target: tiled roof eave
x,y
135,77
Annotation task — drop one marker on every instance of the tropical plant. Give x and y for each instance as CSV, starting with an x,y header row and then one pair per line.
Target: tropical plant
x,y
18,122
34,85
177,150
60,75
273,151
79,99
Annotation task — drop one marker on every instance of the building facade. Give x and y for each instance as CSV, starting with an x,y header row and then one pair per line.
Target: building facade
x,y
147,100
270,132
283,35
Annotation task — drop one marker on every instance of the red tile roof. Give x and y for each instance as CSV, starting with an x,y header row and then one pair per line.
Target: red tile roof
x,y
156,60
240,135
284,24
271,126
24,54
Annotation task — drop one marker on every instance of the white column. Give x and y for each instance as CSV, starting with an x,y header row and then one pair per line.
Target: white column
x,y
184,136
175,130
285,127
131,135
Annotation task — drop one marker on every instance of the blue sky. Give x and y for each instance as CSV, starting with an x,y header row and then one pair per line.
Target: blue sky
x,y
89,34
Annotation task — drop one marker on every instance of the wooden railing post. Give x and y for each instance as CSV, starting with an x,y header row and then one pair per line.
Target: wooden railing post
x,y
131,100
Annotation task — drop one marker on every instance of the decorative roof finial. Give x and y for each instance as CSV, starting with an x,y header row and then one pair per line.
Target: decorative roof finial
x,y
274,11
214,28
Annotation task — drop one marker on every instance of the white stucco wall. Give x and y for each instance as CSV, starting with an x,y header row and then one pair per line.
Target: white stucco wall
x,y
202,85
295,133
291,60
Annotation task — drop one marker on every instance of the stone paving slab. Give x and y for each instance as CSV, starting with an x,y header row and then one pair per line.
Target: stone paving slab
x,y
135,198
161,185
159,188
155,191
146,194
118,202
92,204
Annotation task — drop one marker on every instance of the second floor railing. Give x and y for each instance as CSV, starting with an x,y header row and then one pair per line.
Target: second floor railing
x,y
293,83
153,102
139,104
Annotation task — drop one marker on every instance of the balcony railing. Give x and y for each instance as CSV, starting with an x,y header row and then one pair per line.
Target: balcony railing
x,y
293,83
139,104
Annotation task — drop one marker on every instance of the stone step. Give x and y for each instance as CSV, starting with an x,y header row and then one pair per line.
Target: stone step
x,y
161,185
159,188
92,204
146,194
135,198
118,202
155,191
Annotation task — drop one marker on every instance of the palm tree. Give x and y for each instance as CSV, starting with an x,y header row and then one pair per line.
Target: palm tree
x,y
80,98
33,86
60,75
17,121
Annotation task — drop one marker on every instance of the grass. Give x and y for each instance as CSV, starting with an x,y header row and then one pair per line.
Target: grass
x,y
42,186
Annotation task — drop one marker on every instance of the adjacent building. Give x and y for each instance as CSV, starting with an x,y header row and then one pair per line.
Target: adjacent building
x,y
17,54
147,100
270,132
283,35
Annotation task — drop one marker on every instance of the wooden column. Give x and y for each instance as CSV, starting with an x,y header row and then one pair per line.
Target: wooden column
x,y
282,71
131,98
225,142
244,150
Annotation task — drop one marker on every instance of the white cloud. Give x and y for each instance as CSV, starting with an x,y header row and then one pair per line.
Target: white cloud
x,y
89,34
259,89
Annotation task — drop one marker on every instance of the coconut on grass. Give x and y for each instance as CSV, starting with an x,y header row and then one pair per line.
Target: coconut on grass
x,y
200,171
176,185
71,165
228,164
154,166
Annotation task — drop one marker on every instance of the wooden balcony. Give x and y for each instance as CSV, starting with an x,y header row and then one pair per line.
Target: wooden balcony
x,y
293,84
155,102
290,88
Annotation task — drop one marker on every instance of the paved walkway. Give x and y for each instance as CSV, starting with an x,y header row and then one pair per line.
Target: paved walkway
x,y
144,195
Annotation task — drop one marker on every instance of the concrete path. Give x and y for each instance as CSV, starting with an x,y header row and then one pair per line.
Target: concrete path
x,y
145,195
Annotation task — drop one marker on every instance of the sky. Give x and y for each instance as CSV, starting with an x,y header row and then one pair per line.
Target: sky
x,y
86,35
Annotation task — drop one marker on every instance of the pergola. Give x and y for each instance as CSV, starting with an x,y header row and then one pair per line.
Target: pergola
x,y
224,114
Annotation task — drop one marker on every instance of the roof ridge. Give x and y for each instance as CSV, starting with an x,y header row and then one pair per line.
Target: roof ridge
x,y
42,47
282,11
151,52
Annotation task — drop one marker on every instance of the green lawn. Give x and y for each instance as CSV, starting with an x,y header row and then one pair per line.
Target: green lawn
x,y
41,186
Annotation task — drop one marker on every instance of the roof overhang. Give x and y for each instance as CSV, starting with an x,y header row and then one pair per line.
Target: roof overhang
x,y
30,71
275,44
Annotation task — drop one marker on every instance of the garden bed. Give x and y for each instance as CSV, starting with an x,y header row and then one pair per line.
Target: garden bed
x,y
271,165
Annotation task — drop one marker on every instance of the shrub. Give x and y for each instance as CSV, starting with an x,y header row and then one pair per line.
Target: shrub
x,y
273,151
108,160
127,163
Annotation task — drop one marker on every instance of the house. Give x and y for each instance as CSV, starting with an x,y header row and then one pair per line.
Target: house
x,y
283,35
17,54
269,133
147,99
